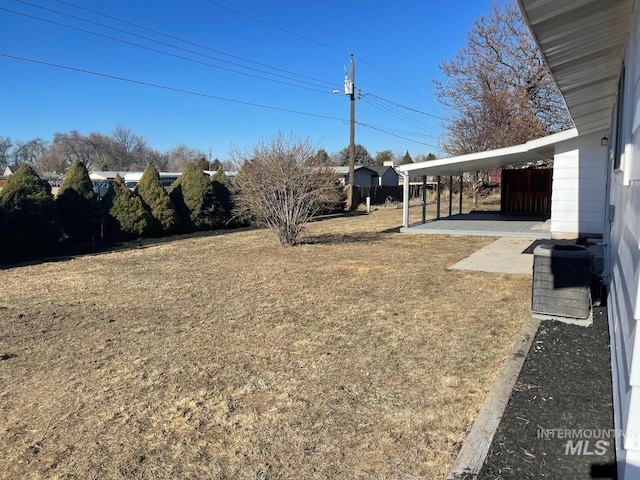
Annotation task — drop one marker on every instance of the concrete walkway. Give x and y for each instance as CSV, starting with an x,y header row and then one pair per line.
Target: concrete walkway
x,y
502,256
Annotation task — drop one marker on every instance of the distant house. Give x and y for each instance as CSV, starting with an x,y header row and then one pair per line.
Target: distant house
x,y
53,178
387,176
10,170
364,176
102,179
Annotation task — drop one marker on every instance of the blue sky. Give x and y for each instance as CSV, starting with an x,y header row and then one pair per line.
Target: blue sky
x,y
397,46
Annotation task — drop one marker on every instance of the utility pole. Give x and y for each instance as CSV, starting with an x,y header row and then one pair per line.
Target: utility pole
x,y
352,121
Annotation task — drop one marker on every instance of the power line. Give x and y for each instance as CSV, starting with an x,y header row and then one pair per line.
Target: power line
x,y
406,107
379,129
412,134
320,88
378,105
188,42
384,74
255,19
399,115
237,12
165,87
204,95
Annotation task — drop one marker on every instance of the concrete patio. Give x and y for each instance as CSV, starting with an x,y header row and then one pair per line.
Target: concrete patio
x,y
487,224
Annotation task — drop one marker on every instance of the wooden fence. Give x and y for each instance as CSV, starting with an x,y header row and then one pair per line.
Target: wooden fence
x,y
526,192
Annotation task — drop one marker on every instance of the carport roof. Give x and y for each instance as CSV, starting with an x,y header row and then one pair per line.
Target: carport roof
x,y
539,149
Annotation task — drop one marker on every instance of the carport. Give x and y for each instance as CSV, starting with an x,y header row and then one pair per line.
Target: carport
x,y
496,224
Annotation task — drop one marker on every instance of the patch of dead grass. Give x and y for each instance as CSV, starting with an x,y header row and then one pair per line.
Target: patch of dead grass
x,y
356,354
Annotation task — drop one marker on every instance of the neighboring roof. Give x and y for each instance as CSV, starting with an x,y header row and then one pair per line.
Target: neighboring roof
x,y
583,43
11,168
381,170
104,174
344,170
539,149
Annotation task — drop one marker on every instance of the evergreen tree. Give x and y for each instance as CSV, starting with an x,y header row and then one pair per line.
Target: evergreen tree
x,y
215,165
360,156
382,157
203,163
323,157
225,192
78,205
406,159
30,226
127,218
157,200
195,199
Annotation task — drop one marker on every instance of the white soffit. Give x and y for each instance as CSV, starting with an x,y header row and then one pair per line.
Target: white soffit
x,y
583,42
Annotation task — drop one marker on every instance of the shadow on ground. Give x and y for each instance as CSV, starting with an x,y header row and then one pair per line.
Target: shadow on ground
x,y
65,253
337,238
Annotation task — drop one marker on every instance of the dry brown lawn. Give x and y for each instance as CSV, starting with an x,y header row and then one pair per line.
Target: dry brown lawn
x,y
356,355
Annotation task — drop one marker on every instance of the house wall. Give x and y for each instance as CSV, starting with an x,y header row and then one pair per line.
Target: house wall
x,y
390,178
624,251
365,178
579,192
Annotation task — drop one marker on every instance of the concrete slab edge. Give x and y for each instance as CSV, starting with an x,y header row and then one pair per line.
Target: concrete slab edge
x,y
476,446
477,233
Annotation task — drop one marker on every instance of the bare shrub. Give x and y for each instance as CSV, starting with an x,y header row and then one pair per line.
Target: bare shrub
x,y
282,184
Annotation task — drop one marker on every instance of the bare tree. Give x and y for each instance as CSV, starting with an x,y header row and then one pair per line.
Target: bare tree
x,y
54,160
77,147
180,156
6,144
498,89
103,151
159,160
29,152
130,150
283,185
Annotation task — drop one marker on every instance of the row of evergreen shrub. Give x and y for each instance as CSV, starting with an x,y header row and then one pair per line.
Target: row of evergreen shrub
x,y
34,224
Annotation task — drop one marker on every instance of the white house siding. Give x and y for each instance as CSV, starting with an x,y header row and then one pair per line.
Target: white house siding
x,y
624,296
579,193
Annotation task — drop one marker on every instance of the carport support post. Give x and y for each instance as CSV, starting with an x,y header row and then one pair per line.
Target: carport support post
x,y
424,199
461,188
405,199
438,200
450,195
